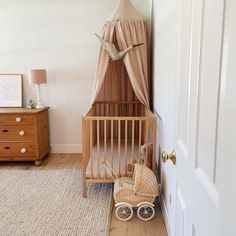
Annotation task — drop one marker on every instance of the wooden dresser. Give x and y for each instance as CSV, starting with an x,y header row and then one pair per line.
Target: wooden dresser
x,y
24,134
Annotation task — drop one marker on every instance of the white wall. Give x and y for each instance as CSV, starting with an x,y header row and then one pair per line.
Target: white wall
x,y
57,35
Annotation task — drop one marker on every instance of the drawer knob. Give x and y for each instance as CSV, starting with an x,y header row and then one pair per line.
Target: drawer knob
x,y
23,150
18,119
22,133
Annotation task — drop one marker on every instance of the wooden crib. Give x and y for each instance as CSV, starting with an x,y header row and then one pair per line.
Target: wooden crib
x,y
115,131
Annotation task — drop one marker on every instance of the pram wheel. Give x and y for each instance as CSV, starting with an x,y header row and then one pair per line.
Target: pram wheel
x,y
146,212
124,212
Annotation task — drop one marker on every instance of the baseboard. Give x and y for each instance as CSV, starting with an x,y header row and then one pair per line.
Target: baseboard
x,y
165,215
66,148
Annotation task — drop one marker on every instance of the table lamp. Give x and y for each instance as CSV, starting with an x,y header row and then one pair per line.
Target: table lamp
x,y
37,76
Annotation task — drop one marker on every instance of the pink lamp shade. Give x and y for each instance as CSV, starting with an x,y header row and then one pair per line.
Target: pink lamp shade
x,y
37,76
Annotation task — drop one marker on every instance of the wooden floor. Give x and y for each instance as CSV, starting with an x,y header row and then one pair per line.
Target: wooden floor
x,y
134,227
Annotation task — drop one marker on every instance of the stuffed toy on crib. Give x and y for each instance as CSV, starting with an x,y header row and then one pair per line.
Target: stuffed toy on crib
x,y
148,147
138,192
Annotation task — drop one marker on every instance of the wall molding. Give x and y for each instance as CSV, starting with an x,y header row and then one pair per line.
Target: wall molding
x,y
66,148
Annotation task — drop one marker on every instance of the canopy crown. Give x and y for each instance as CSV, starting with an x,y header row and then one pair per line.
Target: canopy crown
x,y
125,11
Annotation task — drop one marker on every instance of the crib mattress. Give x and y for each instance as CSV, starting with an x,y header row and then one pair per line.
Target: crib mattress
x,y
94,158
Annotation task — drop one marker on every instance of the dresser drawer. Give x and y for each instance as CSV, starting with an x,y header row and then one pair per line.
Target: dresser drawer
x,y
18,119
17,134
17,150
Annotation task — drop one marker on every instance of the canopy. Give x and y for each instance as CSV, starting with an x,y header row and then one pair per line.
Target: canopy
x,y
125,27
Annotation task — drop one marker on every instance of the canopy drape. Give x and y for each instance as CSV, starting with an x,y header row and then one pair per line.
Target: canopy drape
x,y
124,32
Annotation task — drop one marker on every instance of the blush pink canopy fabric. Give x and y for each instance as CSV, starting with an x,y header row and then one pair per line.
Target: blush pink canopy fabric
x,y
127,79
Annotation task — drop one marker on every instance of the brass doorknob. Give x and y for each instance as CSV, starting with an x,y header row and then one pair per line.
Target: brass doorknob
x,y
168,156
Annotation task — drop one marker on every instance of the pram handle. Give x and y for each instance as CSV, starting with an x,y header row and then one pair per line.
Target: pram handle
x,y
109,169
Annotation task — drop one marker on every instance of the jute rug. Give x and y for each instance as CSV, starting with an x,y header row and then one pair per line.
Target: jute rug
x,y
49,202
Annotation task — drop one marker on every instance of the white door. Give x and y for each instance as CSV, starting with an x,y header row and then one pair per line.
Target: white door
x,y
197,196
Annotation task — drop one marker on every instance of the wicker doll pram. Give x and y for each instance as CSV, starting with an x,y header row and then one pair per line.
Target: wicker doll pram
x,y
139,192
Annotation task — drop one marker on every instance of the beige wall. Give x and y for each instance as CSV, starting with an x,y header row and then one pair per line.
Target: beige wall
x,y
57,35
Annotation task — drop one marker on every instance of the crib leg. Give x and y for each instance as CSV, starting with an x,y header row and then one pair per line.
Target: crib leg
x,y
84,183
84,188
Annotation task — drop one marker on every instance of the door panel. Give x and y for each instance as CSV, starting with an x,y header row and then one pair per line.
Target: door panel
x,y
181,213
183,84
210,64
226,161
194,232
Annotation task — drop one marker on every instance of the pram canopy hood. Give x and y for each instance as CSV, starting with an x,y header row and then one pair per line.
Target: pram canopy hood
x,y
145,181
127,27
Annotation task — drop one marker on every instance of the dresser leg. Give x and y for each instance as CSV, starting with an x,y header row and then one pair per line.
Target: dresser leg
x,y
38,163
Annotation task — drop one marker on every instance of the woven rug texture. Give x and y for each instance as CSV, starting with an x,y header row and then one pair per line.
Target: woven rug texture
x,y
49,202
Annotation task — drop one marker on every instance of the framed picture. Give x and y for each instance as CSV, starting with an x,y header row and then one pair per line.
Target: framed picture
x,y
10,90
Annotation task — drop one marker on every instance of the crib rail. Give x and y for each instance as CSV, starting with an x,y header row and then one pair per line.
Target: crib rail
x,y
117,137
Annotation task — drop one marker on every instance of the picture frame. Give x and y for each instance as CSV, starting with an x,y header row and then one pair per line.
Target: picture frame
x,y
11,93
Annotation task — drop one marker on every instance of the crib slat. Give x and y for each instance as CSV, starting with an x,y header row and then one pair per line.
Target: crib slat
x,y
139,141
132,151
102,105
126,130
112,165
91,145
105,143
154,145
136,124
119,147
98,147
146,142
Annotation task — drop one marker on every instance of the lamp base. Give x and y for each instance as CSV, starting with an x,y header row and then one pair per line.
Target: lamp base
x,y
40,105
